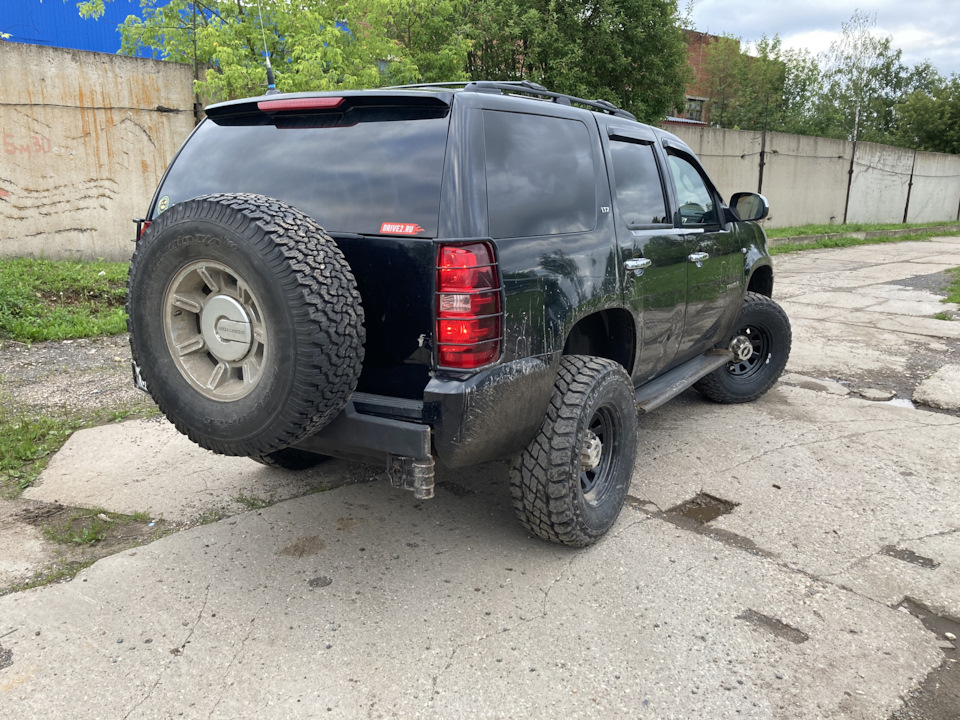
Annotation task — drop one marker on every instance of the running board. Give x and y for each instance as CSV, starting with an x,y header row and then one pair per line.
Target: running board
x,y
656,392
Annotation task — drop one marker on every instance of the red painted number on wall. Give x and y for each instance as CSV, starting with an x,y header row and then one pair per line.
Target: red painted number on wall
x,y
35,144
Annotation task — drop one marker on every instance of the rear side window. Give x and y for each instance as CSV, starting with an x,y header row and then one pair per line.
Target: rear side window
x,y
541,177
360,178
639,191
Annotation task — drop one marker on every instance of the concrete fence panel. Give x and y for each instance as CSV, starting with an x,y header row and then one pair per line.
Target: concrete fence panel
x,y
935,196
805,179
881,175
729,156
85,139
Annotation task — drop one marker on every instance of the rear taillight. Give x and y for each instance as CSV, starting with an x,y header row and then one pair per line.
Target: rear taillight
x,y
469,317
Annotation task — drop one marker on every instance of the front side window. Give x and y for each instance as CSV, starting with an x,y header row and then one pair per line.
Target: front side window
x,y
637,184
694,198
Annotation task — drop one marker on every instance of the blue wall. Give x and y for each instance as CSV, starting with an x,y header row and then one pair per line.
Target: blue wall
x,y
58,23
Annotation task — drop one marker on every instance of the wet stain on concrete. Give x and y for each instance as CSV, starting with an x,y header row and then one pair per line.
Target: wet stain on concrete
x,y
319,582
909,556
303,547
778,628
938,696
455,489
6,658
703,508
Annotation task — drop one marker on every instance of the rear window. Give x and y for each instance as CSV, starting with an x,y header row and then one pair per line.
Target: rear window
x,y
372,177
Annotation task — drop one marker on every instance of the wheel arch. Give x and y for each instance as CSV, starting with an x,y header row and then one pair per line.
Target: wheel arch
x,y
608,334
761,280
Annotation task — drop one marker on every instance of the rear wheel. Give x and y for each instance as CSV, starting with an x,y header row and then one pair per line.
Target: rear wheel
x,y
761,346
569,484
245,322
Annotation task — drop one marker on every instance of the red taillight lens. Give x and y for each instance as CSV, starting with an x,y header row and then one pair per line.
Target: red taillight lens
x,y
468,306
143,228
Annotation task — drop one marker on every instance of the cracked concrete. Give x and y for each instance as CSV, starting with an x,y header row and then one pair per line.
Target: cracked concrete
x,y
363,602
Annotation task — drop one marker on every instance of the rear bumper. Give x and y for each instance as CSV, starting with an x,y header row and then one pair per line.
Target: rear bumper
x,y
461,421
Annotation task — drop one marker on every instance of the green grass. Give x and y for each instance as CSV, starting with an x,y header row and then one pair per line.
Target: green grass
x,y
953,289
26,444
59,300
943,315
59,572
87,526
842,242
252,502
849,227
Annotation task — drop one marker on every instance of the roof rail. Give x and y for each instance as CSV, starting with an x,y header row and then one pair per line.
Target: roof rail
x,y
522,87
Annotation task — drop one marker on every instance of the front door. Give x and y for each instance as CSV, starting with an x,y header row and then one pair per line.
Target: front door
x,y
715,274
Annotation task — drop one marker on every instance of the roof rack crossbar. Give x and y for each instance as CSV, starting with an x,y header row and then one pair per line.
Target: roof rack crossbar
x,y
522,86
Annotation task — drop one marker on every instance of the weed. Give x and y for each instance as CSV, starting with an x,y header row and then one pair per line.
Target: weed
x,y
58,572
88,526
57,300
953,289
254,503
943,315
210,516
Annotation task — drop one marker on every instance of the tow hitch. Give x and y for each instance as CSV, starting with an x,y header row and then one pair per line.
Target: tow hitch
x,y
412,474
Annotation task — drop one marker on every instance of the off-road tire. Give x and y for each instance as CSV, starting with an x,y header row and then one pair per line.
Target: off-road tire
x,y
284,284
768,328
553,496
290,459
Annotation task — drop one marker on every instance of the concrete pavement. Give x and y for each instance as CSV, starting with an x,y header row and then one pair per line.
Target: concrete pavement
x,y
359,601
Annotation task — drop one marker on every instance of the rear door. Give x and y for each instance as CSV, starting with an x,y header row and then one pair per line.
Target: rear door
x,y
653,252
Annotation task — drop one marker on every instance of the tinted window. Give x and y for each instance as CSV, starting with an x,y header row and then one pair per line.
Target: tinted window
x,y
351,179
540,175
637,182
696,202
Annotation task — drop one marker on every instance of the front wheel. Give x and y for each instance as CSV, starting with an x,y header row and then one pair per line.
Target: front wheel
x,y
570,482
761,345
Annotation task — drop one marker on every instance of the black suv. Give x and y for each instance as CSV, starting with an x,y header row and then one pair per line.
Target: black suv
x,y
452,273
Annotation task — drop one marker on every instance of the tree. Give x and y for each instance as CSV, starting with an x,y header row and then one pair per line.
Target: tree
x,y
929,117
864,78
631,52
313,45
723,64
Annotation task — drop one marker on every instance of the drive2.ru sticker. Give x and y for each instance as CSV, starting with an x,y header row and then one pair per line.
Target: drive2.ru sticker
x,y
400,229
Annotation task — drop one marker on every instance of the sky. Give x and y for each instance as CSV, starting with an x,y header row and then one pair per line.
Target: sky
x,y
922,29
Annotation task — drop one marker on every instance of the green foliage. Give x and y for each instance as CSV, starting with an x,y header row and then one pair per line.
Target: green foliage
x,y
47,300
26,444
771,88
631,52
953,289
929,117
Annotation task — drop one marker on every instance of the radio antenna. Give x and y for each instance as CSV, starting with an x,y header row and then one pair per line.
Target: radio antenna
x,y
271,85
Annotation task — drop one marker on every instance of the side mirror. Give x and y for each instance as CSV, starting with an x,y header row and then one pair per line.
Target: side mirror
x,y
750,206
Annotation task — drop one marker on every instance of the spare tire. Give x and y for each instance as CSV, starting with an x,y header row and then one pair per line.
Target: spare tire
x,y
245,322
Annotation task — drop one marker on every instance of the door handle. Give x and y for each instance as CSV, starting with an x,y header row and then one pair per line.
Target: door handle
x,y
637,265
698,258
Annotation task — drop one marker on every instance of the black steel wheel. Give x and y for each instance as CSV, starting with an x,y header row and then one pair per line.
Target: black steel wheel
x,y
760,344
245,322
570,482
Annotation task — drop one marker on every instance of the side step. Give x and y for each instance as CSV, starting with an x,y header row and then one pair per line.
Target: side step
x,y
656,392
